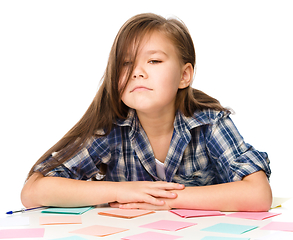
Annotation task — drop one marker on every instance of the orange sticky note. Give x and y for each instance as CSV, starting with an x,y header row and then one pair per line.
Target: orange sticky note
x,y
126,213
51,220
99,230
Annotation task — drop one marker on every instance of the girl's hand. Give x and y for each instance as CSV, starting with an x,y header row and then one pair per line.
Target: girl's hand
x,y
146,206
145,192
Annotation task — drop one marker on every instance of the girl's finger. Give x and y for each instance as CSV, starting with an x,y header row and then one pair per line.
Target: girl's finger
x,y
162,194
114,204
152,200
143,206
136,206
169,186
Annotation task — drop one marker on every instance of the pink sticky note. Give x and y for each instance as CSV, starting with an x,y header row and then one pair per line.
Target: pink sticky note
x,y
279,226
186,213
168,225
99,230
126,213
50,220
22,233
253,215
152,236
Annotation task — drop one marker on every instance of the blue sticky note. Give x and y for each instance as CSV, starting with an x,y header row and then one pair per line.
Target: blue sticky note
x,y
229,228
70,238
77,210
223,238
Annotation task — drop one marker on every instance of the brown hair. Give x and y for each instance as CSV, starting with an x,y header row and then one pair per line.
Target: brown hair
x,y
107,106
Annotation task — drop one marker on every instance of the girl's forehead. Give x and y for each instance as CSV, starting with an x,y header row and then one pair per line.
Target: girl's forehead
x,y
155,42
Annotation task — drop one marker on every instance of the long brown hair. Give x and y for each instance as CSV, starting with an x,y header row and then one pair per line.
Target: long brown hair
x,y
107,106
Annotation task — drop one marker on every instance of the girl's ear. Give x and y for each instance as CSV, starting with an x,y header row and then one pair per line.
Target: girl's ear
x,y
187,76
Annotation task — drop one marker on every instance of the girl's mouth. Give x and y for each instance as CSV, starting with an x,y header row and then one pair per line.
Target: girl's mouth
x,y
140,89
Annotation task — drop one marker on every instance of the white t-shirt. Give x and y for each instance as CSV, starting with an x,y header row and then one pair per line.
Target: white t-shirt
x,y
160,170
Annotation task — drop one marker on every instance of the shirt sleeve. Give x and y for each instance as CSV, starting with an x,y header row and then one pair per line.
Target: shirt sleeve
x,y
232,157
82,166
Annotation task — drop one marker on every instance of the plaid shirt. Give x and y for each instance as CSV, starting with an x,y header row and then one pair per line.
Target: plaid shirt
x,y
205,149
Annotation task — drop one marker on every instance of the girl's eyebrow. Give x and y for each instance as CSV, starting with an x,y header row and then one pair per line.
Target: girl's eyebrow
x,y
150,52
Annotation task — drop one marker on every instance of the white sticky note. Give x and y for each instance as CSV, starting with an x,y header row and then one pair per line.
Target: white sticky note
x,y
14,221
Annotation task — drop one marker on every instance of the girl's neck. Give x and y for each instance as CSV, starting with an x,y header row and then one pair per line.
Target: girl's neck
x,y
157,124
159,129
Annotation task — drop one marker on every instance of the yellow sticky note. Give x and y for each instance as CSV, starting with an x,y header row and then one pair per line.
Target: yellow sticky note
x,y
277,202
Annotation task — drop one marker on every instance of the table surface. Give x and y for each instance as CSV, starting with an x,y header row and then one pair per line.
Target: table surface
x,y
92,218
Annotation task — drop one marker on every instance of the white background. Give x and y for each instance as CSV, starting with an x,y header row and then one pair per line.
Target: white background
x,y
54,53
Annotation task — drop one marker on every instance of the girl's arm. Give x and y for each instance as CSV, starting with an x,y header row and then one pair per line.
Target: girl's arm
x,y
252,193
64,192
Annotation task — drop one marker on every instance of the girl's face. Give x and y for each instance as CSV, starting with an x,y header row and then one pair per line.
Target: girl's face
x,y
156,77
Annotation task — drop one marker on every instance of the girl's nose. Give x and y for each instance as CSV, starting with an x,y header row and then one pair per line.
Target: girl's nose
x,y
138,75
138,72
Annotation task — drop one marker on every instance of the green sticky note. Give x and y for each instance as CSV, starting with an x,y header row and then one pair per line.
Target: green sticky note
x,y
77,210
229,228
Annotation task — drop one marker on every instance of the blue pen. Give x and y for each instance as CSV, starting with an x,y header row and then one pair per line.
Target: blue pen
x,y
23,210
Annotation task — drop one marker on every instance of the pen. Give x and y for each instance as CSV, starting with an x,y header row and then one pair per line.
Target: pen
x,y
23,210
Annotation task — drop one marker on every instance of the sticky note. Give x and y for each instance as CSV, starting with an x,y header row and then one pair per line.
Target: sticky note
x,y
22,233
126,213
277,202
70,238
99,230
278,236
187,213
223,238
78,210
229,228
168,225
14,221
51,220
279,226
152,236
253,215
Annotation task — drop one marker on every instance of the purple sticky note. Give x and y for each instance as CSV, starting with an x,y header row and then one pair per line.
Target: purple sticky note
x,y
279,226
151,235
168,225
186,213
22,233
253,215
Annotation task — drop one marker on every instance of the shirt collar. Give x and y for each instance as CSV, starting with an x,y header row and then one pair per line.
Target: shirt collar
x,y
181,122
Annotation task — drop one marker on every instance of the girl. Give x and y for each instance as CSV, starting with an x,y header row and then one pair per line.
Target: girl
x,y
152,140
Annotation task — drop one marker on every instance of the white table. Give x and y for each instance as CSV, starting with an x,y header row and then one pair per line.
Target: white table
x,y
92,218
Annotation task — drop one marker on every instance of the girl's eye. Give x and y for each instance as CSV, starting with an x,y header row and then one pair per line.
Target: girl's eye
x,y
127,63
155,61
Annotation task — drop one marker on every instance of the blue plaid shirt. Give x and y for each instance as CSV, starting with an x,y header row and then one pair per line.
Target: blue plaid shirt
x,y
205,149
